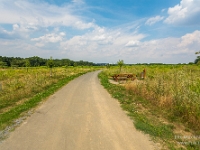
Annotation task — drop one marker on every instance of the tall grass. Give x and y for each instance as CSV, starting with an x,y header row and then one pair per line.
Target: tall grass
x,y
17,85
21,90
172,89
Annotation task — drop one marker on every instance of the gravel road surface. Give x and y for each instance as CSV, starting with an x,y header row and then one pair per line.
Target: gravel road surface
x,y
80,116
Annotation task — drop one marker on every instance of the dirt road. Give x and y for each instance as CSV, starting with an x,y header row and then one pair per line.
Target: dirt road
x,y
80,116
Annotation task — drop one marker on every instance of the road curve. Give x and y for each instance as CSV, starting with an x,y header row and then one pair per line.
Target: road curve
x,y
80,116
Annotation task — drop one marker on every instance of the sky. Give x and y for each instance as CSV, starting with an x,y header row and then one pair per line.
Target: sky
x,y
104,31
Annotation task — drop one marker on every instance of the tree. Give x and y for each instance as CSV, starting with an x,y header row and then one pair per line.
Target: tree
x,y
50,64
108,66
120,63
37,61
197,60
27,64
75,64
17,62
3,64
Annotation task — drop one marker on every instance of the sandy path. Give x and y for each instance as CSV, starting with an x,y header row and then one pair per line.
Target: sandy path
x,y
80,116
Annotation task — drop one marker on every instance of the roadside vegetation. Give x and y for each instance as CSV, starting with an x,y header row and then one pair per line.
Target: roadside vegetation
x,y
166,104
23,88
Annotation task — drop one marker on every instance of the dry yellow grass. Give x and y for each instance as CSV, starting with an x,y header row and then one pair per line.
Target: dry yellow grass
x,y
172,88
16,85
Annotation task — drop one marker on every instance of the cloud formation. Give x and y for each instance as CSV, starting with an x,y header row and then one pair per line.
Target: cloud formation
x,y
190,40
184,13
49,38
63,31
132,44
154,20
33,15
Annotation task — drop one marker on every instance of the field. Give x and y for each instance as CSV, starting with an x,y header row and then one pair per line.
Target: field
x,y
170,93
166,104
22,88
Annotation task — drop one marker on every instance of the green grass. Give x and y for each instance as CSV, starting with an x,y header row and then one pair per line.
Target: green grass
x,y
8,117
174,89
145,119
18,85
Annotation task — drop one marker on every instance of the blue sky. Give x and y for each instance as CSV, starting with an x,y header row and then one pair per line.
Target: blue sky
x,y
144,31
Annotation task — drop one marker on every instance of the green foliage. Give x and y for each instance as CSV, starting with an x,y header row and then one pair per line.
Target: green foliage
x,y
108,66
171,91
7,117
36,61
22,90
75,64
17,63
27,64
3,64
197,52
128,100
120,63
50,63
197,60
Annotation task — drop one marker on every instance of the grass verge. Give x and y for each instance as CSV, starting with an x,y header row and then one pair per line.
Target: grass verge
x,y
7,118
145,119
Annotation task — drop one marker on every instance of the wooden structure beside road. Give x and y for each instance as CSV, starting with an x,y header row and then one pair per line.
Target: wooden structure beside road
x,y
124,76
128,76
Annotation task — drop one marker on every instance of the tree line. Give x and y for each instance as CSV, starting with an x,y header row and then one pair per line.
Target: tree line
x,y
36,61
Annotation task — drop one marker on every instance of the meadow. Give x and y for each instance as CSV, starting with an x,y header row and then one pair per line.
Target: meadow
x,y
170,93
23,88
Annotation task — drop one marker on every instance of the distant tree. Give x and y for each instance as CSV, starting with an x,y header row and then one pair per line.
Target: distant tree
x,y
108,66
27,64
50,64
17,62
120,63
7,60
197,60
75,64
3,64
37,61
67,62
14,63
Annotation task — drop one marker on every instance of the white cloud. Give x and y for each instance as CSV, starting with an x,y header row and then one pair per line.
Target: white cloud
x,y
128,47
163,10
154,20
5,34
78,1
29,17
190,39
40,44
17,32
32,15
56,31
62,34
15,26
82,25
132,44
20,48
169,50
187,12
131,49
100,43
48,38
